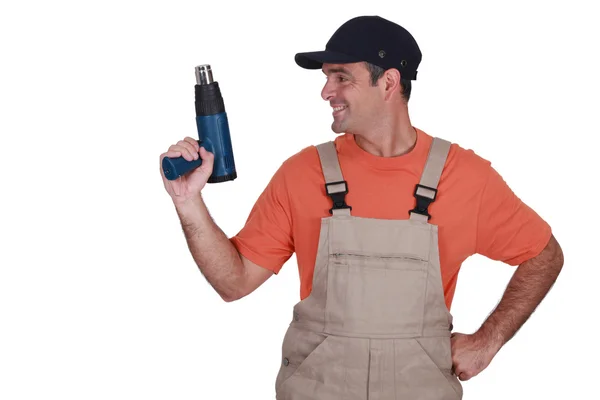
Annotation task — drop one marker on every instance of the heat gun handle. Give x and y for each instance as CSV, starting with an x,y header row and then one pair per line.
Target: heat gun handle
x,y
173,168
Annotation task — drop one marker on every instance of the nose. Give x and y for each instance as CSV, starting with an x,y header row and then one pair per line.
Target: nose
x,y
328,91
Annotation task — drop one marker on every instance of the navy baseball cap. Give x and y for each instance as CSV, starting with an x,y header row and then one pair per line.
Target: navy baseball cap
x,y
372,39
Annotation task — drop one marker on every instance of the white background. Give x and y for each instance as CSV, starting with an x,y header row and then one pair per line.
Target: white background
x,y
99,296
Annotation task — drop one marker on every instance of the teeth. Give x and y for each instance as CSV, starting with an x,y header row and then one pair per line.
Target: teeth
x,y
339,108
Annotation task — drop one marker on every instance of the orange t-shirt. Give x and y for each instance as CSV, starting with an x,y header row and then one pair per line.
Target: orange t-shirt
x,y
475,210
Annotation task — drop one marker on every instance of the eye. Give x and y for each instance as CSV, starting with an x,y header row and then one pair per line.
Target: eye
x,y
342,79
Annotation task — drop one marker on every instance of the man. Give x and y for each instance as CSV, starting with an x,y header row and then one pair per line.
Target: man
x,y
380,219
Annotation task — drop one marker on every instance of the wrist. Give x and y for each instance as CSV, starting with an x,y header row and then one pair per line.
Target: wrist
x,y
190,203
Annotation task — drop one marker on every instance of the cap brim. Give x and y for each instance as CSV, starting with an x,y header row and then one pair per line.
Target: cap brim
x,y
316,59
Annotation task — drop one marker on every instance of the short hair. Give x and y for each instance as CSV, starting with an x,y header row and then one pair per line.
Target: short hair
x,y
376,72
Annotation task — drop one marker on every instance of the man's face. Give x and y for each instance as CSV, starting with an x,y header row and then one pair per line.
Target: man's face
x,y
356,104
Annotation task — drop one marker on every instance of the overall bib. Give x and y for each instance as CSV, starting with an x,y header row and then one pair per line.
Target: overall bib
x,y
375,325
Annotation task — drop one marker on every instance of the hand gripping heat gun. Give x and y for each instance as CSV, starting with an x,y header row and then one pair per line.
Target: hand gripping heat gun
x,y
213,132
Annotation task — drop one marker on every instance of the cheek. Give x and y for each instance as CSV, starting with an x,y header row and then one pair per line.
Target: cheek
x,y
366,106
375,104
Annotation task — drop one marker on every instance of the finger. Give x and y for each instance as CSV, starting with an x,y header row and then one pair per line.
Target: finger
x,y
189,147
193,142
183,151
173,154
456,369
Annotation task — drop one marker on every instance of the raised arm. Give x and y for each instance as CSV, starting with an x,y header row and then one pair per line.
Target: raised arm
x,y
230,274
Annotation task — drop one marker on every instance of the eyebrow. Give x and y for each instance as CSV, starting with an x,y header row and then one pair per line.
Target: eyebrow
x,y
334,70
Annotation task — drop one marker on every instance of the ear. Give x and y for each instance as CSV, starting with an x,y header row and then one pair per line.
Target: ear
x,y
391,82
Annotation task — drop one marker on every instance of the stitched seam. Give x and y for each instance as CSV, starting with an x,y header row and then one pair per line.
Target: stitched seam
x,y
346,371
427,284
369,370
394,358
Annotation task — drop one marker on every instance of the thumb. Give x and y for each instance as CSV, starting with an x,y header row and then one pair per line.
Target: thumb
x,y
208,159
205,153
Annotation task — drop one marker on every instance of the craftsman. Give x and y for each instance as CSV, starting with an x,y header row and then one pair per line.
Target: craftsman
x,y
381,219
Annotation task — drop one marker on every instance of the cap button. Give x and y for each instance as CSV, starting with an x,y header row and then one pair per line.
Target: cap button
x,y
381,53
403,63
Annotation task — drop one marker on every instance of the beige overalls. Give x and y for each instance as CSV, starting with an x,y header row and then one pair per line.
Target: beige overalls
x,y
375,325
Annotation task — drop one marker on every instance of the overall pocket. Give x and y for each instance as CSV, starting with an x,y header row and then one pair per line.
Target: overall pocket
x,y
375,294
322,373
298,347
436,356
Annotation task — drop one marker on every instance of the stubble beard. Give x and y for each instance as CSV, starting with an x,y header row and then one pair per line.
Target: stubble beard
x,y
338,126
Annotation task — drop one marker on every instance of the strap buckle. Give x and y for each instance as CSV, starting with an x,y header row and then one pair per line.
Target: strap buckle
x,y
338,198
423,202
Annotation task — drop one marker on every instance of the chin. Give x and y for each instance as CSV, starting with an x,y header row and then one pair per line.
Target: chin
x,y
337,128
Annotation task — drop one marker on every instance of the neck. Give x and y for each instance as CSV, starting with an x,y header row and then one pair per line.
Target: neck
x,y
391,138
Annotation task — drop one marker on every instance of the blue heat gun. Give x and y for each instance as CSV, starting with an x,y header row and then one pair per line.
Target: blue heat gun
x,y
213,132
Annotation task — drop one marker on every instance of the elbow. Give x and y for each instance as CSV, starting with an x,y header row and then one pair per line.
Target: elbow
x,y
234,294
237,285
550,260
229,298
552,257
558,256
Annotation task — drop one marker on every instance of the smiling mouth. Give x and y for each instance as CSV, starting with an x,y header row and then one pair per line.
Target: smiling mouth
x,y
337,110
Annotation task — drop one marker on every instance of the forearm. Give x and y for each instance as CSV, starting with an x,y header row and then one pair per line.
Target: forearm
x,y
216,257
527,288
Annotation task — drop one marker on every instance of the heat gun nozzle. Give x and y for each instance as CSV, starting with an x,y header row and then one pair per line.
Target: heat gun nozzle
x,y
204,75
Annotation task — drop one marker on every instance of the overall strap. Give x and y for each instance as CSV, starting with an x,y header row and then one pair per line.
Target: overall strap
x,y
426,190
335,185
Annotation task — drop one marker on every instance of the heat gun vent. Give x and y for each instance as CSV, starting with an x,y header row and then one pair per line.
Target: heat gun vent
x,y
209,100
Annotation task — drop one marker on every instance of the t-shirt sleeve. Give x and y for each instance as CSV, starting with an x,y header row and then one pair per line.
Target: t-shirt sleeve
x,y
266,238
508,230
